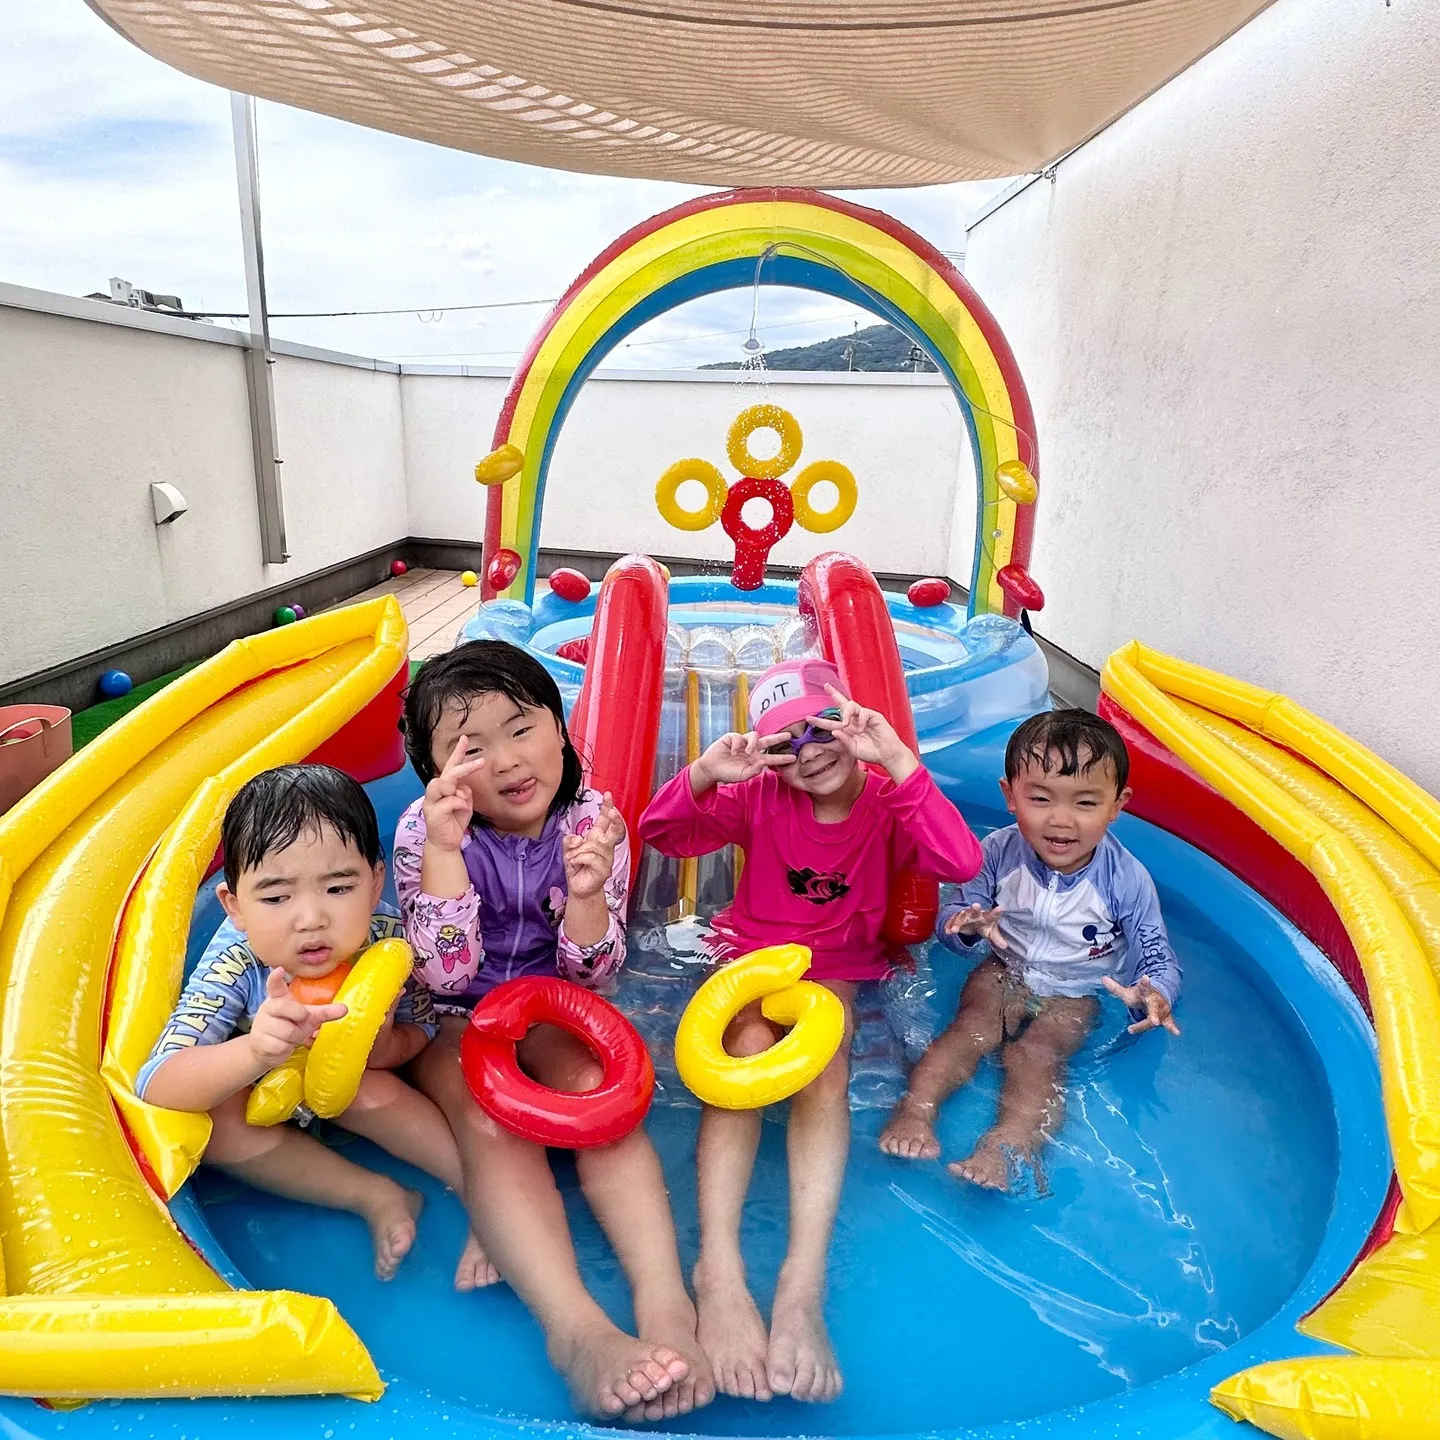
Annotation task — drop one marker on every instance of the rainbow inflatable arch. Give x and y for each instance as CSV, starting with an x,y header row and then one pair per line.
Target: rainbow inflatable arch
x,y
808,241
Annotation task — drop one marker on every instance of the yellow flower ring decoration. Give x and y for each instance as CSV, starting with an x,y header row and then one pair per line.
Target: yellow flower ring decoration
x,y
814,1014
819,522
668,486
763,417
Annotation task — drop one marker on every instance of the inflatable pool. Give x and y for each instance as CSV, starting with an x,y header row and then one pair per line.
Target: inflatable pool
x,y
1203,1199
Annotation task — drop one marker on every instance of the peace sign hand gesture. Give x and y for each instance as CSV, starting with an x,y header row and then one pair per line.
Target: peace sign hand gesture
x,y
868,736
449,801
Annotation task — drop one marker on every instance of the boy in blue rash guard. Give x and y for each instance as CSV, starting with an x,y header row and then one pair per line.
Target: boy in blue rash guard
x,y
1067,910
303,876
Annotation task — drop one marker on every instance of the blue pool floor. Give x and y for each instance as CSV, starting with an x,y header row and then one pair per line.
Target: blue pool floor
x,y
1188,1192
1202,1194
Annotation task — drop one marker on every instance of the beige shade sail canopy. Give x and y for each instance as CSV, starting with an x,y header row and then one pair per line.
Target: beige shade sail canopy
x,y
835,93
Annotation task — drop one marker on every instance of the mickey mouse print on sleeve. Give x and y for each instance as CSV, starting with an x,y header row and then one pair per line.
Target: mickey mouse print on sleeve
x,y
444,933
593,965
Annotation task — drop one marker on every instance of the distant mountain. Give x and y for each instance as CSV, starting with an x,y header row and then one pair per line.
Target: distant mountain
x,y
878,347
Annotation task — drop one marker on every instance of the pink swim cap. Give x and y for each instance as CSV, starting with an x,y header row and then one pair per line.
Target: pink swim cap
x,y
789,692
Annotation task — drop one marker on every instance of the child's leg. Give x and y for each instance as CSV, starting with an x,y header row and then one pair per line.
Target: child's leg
x,y
285,1161
949,1063
1032,1102
731,1328
626,1189
800,1361
519,1216
399,1119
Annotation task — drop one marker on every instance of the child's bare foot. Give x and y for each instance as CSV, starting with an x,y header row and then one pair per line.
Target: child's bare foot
x,y
672,1323
988,1166
909,1134
732,1333
391,1216
474,1272
609,1372
800,1362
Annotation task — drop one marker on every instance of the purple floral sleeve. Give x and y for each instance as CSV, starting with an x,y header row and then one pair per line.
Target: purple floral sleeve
x,y
593,965
444,934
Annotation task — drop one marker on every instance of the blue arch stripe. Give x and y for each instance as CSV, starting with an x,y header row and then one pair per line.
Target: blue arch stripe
x,y
794,271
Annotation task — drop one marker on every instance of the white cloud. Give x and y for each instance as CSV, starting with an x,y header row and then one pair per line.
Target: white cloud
x,y
114,164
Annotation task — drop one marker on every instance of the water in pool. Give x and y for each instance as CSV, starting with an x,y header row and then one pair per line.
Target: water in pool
x,y
1187,1193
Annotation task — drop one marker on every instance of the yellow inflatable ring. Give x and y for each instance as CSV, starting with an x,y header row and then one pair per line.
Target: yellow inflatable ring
x,y
327,1076
772,975
818,522
340,1050
667,488
763,417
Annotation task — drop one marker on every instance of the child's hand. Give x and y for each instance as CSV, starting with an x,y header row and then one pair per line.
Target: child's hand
x,y
978,921
449,802
866,734
590,857
1144,996
282,1024
735,758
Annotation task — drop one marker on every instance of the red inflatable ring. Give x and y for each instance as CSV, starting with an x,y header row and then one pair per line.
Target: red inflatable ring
x,y
533,1111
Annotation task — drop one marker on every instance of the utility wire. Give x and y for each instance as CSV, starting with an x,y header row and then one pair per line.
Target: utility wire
x,y
435,310
635,344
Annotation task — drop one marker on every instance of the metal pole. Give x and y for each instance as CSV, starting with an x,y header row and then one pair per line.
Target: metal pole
x,y
258,360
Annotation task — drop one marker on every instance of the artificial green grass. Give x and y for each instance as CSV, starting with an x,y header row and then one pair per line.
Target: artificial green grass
x,y
85,725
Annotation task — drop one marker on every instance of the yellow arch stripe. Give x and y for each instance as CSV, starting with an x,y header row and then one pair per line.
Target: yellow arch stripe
x,y
864,251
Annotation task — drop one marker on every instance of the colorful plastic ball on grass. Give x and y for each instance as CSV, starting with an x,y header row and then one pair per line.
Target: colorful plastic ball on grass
x,y
286,615
925,593
469,578
570,585
398,568
115,683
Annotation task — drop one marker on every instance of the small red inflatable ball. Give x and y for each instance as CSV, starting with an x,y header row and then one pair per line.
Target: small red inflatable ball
x,y
1018,583
925,593
570,585
398,568
504,566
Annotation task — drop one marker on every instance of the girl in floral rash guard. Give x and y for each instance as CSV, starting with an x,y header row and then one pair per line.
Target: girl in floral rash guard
x,y
509,866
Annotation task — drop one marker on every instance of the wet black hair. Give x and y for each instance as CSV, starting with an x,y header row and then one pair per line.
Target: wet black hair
x,y
1068,742
278,806
485,667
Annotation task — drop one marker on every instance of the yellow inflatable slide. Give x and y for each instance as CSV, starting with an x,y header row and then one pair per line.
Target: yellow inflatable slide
x,y
103,1295
1371,838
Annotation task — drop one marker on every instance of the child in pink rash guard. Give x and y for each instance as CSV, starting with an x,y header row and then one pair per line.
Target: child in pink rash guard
x,y
823,838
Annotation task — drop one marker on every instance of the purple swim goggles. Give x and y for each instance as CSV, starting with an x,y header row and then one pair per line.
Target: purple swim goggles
x,y
811,735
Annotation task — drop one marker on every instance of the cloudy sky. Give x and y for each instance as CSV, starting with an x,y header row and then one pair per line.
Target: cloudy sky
x,y
113,164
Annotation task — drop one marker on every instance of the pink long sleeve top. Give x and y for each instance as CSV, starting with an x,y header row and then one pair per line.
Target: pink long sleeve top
x,y
825,886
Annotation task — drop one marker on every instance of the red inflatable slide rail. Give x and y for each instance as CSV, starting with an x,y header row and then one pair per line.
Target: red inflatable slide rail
x,y
845,612
616,720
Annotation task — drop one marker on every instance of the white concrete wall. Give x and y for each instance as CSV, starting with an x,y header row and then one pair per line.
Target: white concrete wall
x,y
1227,309
95,410
93,413
902,438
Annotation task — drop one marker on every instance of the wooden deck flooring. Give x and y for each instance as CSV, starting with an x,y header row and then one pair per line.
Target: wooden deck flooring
x,y
435,603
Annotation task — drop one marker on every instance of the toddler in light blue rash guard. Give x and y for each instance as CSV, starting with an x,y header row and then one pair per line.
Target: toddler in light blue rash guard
x,y
1068,912
303,876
